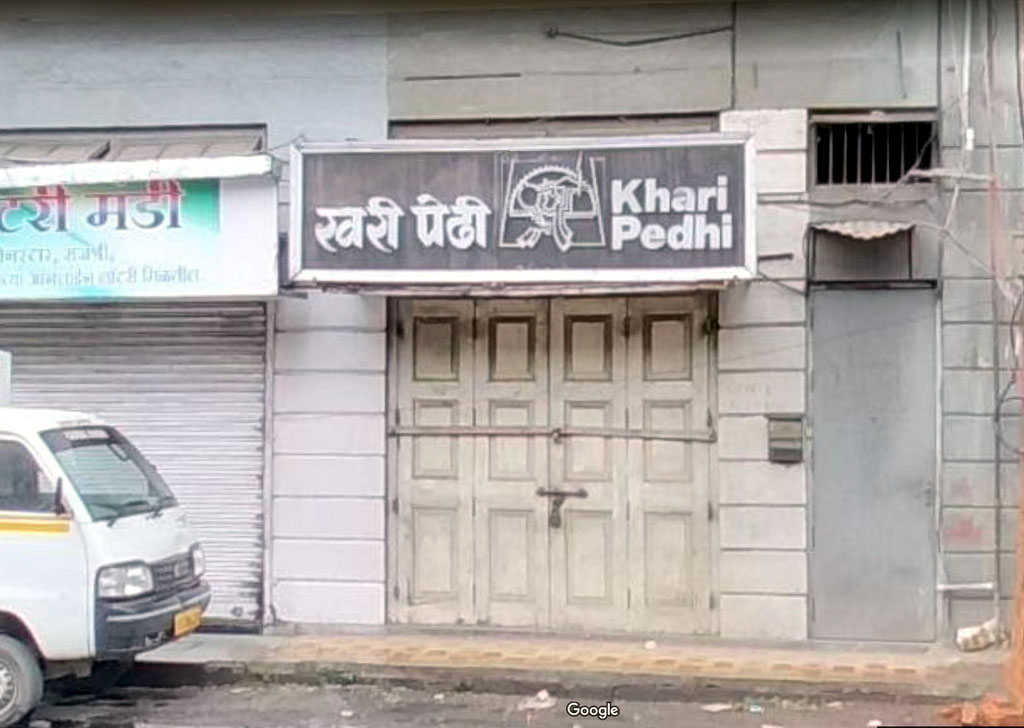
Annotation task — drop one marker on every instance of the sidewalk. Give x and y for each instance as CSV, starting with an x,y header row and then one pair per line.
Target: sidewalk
x,y
629,669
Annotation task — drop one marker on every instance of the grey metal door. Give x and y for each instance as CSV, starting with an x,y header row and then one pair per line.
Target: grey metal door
x,y
873,426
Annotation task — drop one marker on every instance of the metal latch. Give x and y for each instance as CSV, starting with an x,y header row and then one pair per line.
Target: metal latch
x,y
557,501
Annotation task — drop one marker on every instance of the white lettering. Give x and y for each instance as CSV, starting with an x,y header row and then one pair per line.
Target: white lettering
x,y
624,196
341,227
704,197
708,236
680,237
624,229
656,199
383,234
683,200
653,237
468,224
429,213
727,231
723,193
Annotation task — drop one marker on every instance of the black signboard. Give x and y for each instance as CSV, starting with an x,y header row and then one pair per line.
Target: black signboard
x,y
627,210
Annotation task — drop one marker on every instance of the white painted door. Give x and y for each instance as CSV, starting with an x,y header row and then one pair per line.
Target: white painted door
x,y
588,392
436,472
668,478
511,520
563,488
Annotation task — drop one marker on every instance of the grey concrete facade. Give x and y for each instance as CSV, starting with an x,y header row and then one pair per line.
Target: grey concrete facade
x,y
770,66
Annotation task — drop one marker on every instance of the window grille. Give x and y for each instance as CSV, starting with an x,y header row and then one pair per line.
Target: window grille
x,y
871,151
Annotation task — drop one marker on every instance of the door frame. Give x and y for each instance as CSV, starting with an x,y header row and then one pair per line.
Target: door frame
x,y
941,623
395,601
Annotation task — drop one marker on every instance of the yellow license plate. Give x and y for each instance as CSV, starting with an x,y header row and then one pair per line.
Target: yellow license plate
x,y
187,621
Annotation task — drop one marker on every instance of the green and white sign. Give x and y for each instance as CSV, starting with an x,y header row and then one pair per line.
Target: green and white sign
x,y
204,238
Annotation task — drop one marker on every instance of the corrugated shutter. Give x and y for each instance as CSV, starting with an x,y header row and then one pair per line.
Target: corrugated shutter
x,y
186,384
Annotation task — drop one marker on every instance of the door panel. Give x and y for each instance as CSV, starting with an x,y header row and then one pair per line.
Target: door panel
x,y
436,472
588,388
511,390
668,479
873,417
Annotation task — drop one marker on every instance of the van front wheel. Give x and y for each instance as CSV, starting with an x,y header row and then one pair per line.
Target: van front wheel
x,y
21,681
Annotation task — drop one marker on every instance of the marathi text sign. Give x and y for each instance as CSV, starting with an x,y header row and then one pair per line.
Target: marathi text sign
x,y
155,239
637,210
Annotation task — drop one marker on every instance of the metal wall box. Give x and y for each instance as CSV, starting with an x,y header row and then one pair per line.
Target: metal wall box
x,y
785,438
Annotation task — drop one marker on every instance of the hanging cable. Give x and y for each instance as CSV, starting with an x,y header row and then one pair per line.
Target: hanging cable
x,y
555,32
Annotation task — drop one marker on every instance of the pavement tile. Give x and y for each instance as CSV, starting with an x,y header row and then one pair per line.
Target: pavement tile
x,y
593,655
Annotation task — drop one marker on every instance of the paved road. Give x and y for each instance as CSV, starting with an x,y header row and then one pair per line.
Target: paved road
x,y
382,707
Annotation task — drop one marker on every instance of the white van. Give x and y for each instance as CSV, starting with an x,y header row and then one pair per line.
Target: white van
x,y
97,562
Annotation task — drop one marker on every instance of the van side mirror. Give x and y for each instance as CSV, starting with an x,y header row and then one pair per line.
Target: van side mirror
x,y
58,498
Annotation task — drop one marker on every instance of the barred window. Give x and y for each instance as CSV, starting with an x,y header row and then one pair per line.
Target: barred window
x,y
871,149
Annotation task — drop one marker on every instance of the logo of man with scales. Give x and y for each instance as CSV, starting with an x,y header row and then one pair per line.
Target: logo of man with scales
x,y
554,199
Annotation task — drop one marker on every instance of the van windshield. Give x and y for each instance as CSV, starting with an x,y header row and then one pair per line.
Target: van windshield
x,y
111,477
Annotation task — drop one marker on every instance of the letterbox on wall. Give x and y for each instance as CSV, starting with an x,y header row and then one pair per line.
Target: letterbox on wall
x,y
785,438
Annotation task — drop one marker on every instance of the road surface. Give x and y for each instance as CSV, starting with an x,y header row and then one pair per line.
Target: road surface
x,y
291,706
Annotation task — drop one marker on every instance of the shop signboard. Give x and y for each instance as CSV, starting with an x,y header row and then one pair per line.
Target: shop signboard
x,y
150,239
622,210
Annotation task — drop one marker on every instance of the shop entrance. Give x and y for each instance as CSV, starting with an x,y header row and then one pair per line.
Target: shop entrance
x,y
550,463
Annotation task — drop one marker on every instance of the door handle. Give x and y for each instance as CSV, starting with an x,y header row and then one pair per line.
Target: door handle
x,y
557,500
562,494
929,495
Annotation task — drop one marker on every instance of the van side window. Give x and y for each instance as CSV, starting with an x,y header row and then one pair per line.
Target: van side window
x,y
23,486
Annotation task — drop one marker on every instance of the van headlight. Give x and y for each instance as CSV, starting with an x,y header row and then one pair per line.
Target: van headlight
x,y
198,561
124,581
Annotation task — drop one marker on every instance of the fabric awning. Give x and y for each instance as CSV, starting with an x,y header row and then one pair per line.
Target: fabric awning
x,y
863,229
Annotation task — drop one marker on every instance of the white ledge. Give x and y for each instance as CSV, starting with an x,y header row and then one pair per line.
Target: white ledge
x,y
143,170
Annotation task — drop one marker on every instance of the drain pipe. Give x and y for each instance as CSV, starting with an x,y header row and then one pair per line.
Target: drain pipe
x,y
997,273
965,81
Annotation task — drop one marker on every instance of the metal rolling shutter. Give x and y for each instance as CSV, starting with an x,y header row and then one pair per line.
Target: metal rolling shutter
x,y
186,383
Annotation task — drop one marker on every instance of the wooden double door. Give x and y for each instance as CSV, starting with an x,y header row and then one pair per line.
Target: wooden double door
x,y
551,463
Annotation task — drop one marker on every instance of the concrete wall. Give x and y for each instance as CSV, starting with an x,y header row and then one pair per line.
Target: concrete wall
x,y
974,515
478,65
800,54
762,369
328,517
320,77
844,54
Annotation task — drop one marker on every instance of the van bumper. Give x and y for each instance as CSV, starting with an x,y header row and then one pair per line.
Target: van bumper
x,y
124,629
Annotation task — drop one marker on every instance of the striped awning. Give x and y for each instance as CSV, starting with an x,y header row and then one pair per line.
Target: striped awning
x,y
863,229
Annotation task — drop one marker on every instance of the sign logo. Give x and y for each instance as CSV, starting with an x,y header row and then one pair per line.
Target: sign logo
x,y
554,198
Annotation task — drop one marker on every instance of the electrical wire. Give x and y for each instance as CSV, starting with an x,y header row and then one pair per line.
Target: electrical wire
x,y
555,32
1004,395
